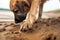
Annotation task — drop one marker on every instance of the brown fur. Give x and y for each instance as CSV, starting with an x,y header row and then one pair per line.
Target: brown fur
x,y
21,11
21,8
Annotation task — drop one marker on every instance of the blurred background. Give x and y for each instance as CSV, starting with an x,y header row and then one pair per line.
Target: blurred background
x,y
6,14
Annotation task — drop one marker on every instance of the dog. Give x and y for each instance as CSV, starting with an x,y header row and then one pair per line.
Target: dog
x,y
25,12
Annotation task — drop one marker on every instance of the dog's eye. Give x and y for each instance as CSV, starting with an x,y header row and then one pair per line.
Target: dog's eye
x,y
25,4
17,1
15,11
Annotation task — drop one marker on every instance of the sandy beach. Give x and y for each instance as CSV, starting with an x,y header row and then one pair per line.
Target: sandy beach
x,y
46,29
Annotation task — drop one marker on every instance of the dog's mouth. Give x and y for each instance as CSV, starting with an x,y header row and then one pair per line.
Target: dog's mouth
x,y
19,18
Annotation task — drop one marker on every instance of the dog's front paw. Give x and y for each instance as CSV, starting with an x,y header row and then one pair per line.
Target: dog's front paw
x,y
25,25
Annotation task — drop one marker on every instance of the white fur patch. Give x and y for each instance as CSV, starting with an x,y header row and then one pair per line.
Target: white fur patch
x,y
37,13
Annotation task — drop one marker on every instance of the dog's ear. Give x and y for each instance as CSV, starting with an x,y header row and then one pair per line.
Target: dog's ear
x,y
12,3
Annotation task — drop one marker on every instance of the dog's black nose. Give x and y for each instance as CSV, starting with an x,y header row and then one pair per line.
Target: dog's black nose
x,y
19,19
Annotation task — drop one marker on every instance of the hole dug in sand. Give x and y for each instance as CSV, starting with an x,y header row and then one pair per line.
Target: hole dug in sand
x,y
50,37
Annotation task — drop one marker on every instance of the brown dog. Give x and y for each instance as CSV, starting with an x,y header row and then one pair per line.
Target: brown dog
x,y
25,10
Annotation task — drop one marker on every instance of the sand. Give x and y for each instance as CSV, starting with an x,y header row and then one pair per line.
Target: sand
x,y
46,29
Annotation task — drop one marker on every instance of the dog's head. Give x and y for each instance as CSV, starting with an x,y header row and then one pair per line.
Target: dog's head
x,y
19,7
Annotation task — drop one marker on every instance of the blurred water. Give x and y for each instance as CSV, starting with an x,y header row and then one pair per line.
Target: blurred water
x,y
6,16
9,16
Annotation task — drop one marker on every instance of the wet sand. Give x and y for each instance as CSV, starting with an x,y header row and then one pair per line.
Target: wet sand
x,y
46,29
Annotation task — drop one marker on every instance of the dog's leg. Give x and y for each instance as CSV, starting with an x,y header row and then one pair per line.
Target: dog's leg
x,y
40,12
31,16
40,9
